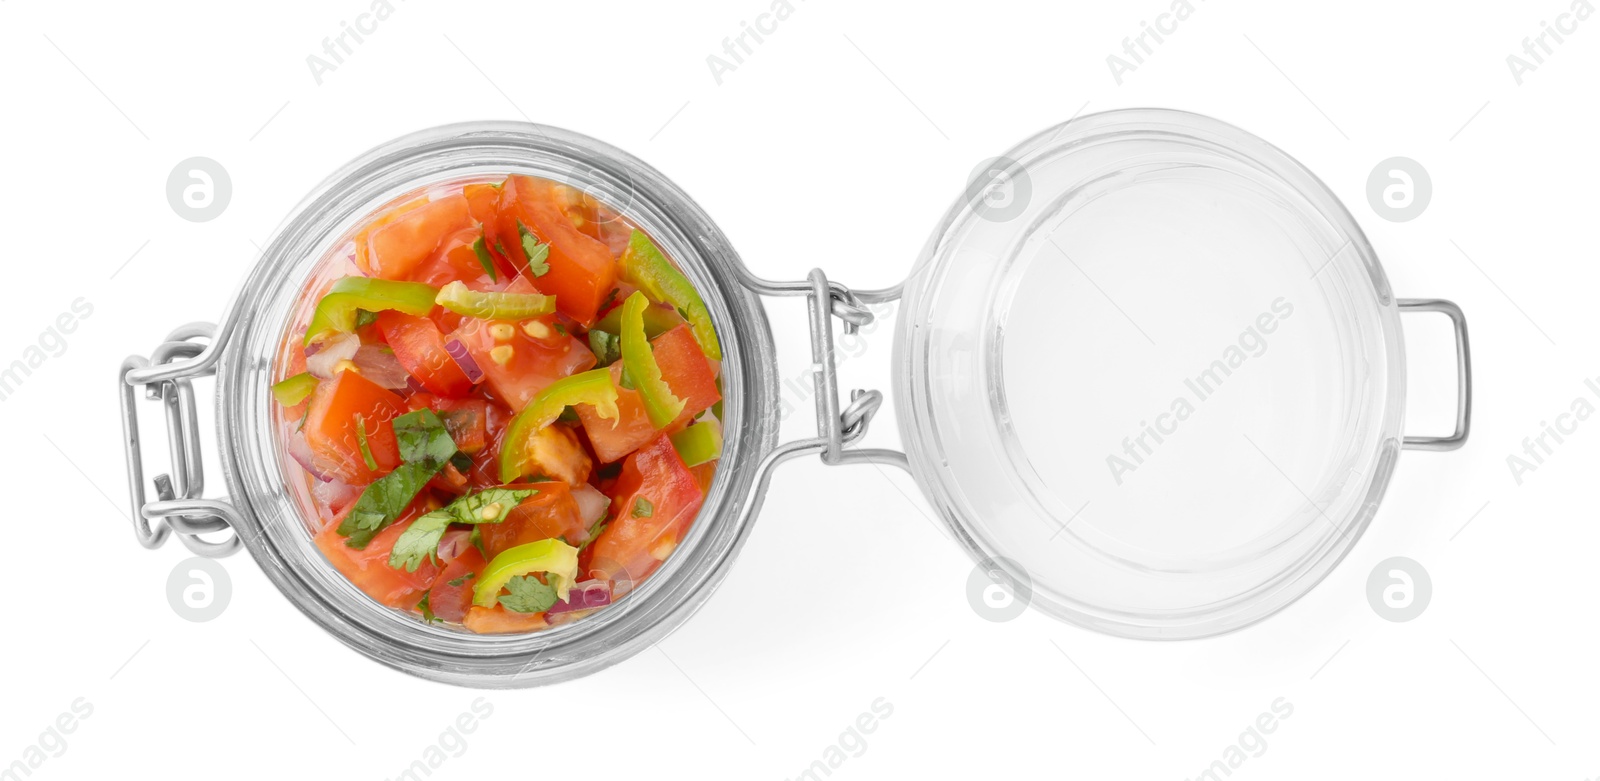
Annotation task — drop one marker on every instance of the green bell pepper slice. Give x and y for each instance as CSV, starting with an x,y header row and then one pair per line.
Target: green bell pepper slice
x,y
293,390
657,321
699,443
458,298
660,403
558,560
645,266
336,312
591,387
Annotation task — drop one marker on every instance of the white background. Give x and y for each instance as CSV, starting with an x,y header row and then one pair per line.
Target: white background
x,y
838,143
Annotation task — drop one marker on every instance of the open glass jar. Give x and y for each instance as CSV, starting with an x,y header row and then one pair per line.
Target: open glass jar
x,y
1150,373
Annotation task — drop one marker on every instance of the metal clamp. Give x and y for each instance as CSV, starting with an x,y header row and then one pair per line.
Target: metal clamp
x,y
167,376
837,429
1463,374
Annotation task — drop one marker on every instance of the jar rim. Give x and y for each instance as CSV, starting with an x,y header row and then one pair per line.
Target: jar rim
x,y
929,368
254,461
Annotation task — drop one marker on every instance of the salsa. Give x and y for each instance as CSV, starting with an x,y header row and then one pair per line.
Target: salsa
x,y
505,402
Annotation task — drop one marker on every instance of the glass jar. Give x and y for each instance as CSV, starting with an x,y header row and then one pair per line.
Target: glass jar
x,y
981,351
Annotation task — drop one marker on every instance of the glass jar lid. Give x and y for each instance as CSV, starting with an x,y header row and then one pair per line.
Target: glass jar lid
x,y
1151,370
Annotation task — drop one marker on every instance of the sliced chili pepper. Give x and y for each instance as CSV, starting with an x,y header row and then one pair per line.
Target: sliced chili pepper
x,y
645,266
591,387
336,312
659,401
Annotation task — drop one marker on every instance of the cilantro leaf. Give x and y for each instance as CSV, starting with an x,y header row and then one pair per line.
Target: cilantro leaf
x,y
422,437
606,346
528,595
461,581
536,252
484,260
361,440
425,446
365,318
420,540
383,501
642,508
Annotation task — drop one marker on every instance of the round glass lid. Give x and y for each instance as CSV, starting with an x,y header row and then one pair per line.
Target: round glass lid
x,y
1151,367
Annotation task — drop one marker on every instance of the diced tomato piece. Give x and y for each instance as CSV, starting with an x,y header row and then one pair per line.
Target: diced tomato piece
x,y
686,371
703,473
595,219
456,260
557,452
451,594
582,269
362,239
613,438
652,504
330,428
467,420
485,471
533,362
483,202
546,515
396,248
498,621
419,346
369,568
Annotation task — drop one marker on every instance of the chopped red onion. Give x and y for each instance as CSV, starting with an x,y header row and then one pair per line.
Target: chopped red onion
x,y
584,596
340,348
336,494
454,543
413,386
463,358
592,504
301,453
377,363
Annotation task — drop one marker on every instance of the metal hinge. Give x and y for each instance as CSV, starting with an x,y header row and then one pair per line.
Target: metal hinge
x,y
167,376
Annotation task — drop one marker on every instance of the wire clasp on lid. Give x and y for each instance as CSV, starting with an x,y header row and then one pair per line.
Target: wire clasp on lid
x,y
167,376
837,429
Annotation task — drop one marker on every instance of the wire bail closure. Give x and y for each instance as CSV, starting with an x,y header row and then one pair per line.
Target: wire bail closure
x,y
167,376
